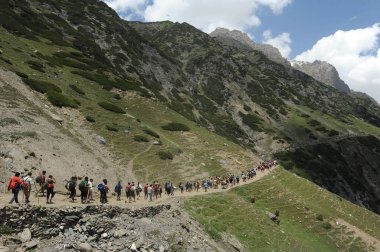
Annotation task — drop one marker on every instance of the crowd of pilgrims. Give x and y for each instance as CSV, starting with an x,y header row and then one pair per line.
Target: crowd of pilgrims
x,y
149,191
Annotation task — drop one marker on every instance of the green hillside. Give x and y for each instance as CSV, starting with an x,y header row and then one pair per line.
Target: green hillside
x,y
308,216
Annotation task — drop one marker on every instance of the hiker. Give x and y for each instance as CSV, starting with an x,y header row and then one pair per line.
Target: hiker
x,y
150,192
14,185
146,191
132,192
90,189
27,186
128,192
181,187
118,188
50,189
138,189
103,189
155,190
70,186
41,179
206,185
197,185
83,188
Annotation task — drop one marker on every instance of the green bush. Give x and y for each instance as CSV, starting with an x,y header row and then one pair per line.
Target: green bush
x,y
164,155
152,133
60,100
111,107
22,75
90,119
314,123
41,86
333,133
247,108
140,138
117,96
111,128
8,121
176,127
253,121
77,89
4,229
326,225
36,65
319,217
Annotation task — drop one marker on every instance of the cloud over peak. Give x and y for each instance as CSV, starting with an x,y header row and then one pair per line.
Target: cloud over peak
x,y
355,54
205,15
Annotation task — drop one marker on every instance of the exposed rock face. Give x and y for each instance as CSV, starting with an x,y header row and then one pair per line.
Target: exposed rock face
x,y
235,37
97,228
323,72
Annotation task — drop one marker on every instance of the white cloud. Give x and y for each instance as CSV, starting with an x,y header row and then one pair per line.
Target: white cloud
x,y
203,14
281,42
355,54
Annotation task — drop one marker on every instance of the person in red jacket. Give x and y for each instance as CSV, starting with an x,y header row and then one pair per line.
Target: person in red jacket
x,y
50,189
14,185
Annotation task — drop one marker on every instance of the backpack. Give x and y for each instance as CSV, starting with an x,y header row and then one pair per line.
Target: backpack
x,y
82,185
101,188
24,186
12,185
38,179
70,185
118,188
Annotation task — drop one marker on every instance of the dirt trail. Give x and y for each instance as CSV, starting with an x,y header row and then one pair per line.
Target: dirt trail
x,y
61,200
370,240
130,163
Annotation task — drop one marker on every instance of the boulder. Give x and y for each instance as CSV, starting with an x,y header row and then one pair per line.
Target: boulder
x,y
25,235
56,118
84,247
30,245
4,249
100,140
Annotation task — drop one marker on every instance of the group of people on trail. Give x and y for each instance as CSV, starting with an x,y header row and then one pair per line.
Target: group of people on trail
x,y
132,191
17,184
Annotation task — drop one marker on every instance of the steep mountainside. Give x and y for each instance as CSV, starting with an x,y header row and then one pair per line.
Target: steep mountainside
x,y
127,81
323,72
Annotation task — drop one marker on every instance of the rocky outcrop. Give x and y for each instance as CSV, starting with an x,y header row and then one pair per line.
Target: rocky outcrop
x,y
323,72
101,228
238,38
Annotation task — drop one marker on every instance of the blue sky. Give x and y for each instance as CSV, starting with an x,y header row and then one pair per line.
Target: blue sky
x,y
309,20
344,33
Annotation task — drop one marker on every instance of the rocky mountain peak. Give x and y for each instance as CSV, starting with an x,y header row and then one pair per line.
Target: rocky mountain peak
x,y
271,52
323,72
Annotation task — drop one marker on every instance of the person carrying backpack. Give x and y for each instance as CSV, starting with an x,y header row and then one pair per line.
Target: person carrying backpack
x,y
14,185
83,188
70,186
27,186
118,188
41,180
132,192
103,189
50,189
150,192
128,192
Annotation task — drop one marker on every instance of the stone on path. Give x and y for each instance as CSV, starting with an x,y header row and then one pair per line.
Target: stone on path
x,y
100,140
84,247
25,235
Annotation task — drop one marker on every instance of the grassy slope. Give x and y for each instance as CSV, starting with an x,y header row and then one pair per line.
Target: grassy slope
x,y
299,202
199,148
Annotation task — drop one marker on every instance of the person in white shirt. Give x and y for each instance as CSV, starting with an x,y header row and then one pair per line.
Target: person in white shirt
x,y
28,179
90,187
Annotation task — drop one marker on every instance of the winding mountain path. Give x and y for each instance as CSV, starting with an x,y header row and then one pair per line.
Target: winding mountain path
x,y
61,200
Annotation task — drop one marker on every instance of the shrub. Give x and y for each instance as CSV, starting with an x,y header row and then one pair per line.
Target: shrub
x,y
326,225
247,108
314,123
253,121
90,119
333,133
152,133
4,229
164,155
176,127
22,75
7,121
111,128
319,217
41,86
77,89
117,96
140,138
60,100
36,65
111,107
